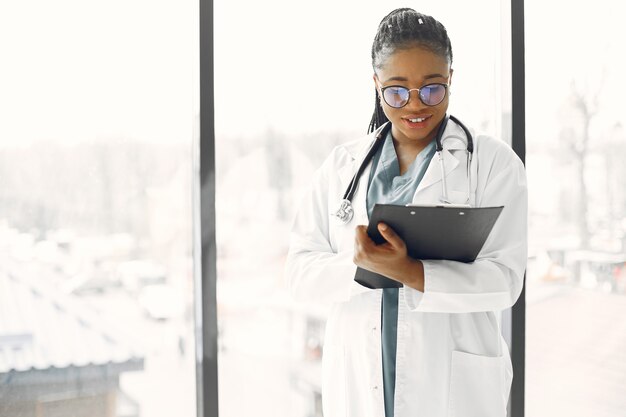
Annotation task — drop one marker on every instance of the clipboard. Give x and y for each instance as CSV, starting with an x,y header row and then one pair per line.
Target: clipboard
x,y
450,232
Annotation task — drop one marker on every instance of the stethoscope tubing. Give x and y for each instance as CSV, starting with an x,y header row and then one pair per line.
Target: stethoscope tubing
x,y
345,211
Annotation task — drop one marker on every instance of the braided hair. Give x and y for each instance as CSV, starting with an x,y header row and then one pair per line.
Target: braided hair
x,y
400,29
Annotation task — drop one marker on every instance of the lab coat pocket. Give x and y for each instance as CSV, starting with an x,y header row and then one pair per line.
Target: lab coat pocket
x,y
477,386
334,397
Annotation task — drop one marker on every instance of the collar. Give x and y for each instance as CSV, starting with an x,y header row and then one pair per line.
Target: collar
x,y
453,138
357,148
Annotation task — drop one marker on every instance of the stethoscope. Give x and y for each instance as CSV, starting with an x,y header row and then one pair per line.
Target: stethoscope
x,y
345,212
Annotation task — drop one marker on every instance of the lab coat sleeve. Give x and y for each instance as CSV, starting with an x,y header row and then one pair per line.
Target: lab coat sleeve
x,y
314,272
494,280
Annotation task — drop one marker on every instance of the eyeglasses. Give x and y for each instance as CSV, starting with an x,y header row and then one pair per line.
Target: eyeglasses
x,y
397,96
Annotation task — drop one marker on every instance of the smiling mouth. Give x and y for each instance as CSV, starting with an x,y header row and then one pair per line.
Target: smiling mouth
x,y
418,119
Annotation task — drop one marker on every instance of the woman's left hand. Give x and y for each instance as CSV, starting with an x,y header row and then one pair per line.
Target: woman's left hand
x,y
389,259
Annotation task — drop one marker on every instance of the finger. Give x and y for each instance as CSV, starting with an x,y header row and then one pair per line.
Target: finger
x,y
361,234
361,240
358,232
390,236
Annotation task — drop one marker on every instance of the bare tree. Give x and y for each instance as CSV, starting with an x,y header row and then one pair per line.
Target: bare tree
x,y
580,108
279,168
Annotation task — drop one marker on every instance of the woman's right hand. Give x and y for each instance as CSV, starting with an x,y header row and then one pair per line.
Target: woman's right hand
x,y
389,259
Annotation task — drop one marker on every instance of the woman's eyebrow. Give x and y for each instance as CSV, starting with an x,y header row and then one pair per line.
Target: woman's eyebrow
x,y
398,78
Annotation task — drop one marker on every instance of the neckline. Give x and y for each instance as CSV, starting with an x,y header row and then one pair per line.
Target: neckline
x,y
389,158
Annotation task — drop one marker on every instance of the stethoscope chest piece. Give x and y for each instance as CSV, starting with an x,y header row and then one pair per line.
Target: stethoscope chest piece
x,y
345,212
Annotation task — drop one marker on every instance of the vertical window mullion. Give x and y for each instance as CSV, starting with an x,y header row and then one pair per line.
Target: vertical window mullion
x,y
205,251
518,143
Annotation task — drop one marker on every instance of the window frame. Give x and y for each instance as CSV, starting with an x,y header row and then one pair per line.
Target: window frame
x,y
518,143
205,250
204,245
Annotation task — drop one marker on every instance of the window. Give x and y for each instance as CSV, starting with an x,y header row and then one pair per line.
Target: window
x,y
276,118
576,281
96,281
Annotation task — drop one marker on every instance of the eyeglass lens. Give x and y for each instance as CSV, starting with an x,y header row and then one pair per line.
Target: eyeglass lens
x,y
431,95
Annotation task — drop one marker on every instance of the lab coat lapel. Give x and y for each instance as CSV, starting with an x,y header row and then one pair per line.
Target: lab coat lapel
x,y
346,173
360,203
433,172
452,140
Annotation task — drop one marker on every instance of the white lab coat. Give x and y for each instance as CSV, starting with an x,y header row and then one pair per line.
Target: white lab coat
x,y
451,358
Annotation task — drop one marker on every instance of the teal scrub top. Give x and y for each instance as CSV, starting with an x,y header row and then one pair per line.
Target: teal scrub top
x,y
387,186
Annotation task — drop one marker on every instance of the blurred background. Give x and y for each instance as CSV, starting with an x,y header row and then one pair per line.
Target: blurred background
x,y
98,125
96,133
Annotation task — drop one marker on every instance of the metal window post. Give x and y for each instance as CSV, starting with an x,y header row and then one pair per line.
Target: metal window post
x,y
205,251
518,142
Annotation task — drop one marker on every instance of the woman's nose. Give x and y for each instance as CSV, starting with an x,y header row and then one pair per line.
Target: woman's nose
x,y
414,102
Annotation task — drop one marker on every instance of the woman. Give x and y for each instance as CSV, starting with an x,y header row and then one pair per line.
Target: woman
x,y
433,347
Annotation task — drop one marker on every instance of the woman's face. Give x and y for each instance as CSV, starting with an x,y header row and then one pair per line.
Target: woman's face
x,y
414,68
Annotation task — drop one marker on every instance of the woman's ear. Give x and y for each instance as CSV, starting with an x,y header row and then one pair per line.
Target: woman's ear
x,y
376,84
450,80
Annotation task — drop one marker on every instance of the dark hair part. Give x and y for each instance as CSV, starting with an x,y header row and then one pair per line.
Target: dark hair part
x,y
400,29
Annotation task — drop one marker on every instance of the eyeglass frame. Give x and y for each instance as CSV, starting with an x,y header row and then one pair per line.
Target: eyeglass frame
x,y
382,95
